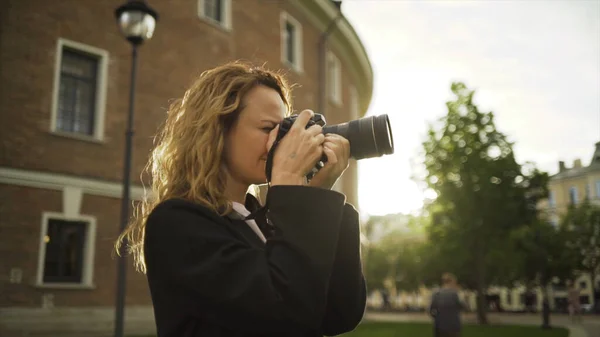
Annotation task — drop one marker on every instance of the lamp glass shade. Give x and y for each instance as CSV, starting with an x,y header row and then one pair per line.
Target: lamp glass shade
x,y
135,24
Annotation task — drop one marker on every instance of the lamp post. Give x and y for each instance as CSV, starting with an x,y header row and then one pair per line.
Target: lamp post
x,y
136,22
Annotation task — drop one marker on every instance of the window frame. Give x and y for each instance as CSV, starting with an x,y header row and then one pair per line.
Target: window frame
x,y
551,199
225,22
334,79
298,64
89,249
100,94
573,195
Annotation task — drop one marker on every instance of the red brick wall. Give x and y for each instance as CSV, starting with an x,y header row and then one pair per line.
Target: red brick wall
x,y
183,46
20,223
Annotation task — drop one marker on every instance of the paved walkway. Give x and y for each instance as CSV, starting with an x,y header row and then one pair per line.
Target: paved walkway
x,y
589,327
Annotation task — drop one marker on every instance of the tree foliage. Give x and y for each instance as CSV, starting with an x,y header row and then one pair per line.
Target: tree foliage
x,y
482,195
582,225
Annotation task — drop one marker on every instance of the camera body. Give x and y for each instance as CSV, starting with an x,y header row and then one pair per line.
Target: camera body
x,y
368,137
287,122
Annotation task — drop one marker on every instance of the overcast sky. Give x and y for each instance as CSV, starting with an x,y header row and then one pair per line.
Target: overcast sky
x,y
535,64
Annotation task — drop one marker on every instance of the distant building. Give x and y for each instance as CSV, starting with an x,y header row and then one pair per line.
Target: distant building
x,y
64,91
568,186
571,186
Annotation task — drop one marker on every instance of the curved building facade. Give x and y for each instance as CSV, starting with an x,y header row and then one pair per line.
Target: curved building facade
x,y
64,72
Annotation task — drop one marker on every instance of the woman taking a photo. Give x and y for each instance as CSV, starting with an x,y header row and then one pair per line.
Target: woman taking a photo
x,y
292,271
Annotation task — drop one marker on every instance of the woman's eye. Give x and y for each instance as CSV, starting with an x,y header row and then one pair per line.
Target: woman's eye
x,y
267,129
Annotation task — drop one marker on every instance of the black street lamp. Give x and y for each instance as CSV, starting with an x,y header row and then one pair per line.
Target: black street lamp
x,y
136,22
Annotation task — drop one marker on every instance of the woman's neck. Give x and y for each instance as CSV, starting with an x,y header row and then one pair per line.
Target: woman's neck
x,y
236,192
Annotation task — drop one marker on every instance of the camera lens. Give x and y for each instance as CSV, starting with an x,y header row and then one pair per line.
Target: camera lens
x,y
369,137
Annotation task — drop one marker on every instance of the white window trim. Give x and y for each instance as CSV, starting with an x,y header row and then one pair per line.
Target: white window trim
x,y
101,78
354,103
88,252
551,199
575,194
58,182
225,14
299,51
334,97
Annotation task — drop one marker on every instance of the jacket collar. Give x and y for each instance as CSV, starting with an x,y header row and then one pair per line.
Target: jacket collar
x,y
252,204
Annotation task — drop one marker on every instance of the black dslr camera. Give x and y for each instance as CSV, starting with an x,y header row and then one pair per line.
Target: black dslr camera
x,y
369,137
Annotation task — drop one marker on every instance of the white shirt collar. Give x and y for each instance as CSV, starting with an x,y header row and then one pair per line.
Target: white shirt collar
x,y
241,209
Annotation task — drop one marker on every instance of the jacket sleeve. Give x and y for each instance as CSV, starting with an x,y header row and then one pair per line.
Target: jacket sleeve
x,y
347,296
230,283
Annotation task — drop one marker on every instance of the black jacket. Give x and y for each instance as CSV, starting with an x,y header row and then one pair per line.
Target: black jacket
x,y
212,276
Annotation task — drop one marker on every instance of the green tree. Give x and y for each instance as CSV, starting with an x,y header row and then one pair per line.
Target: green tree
x,y
375,254
406,271
393,256
377,267
582,224
482,194
542,255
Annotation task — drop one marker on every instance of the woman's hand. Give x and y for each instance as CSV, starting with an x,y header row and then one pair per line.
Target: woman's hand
x,y
337,150
297,152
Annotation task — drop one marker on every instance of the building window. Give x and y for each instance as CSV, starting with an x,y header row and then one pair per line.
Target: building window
x,y
334,79
573,195
79,90
213,9
588,191
216,11
560,302
66,251
598,188
551,199
582,285
291,42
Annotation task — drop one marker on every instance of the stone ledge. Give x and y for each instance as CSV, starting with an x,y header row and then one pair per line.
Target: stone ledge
x,y
84,321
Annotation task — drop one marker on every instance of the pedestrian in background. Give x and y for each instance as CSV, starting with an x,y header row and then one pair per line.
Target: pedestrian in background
x,y
574,302
445,308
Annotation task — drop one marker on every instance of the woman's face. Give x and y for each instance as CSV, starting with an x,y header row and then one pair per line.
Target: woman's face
x,y
246,142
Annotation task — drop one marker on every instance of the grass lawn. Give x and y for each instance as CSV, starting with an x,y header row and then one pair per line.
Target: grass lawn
x,y
385,329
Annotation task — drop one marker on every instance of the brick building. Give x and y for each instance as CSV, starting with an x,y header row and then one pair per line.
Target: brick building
x,y
64,84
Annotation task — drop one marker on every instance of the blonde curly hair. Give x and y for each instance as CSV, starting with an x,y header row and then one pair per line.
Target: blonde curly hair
x,y
188,153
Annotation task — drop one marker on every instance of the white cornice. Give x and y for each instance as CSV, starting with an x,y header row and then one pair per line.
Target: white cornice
x,y
53,181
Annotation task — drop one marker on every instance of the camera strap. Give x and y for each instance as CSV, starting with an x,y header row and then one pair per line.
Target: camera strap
x,y
261,212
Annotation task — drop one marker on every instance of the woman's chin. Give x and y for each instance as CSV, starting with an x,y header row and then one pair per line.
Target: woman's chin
x,y
259,179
